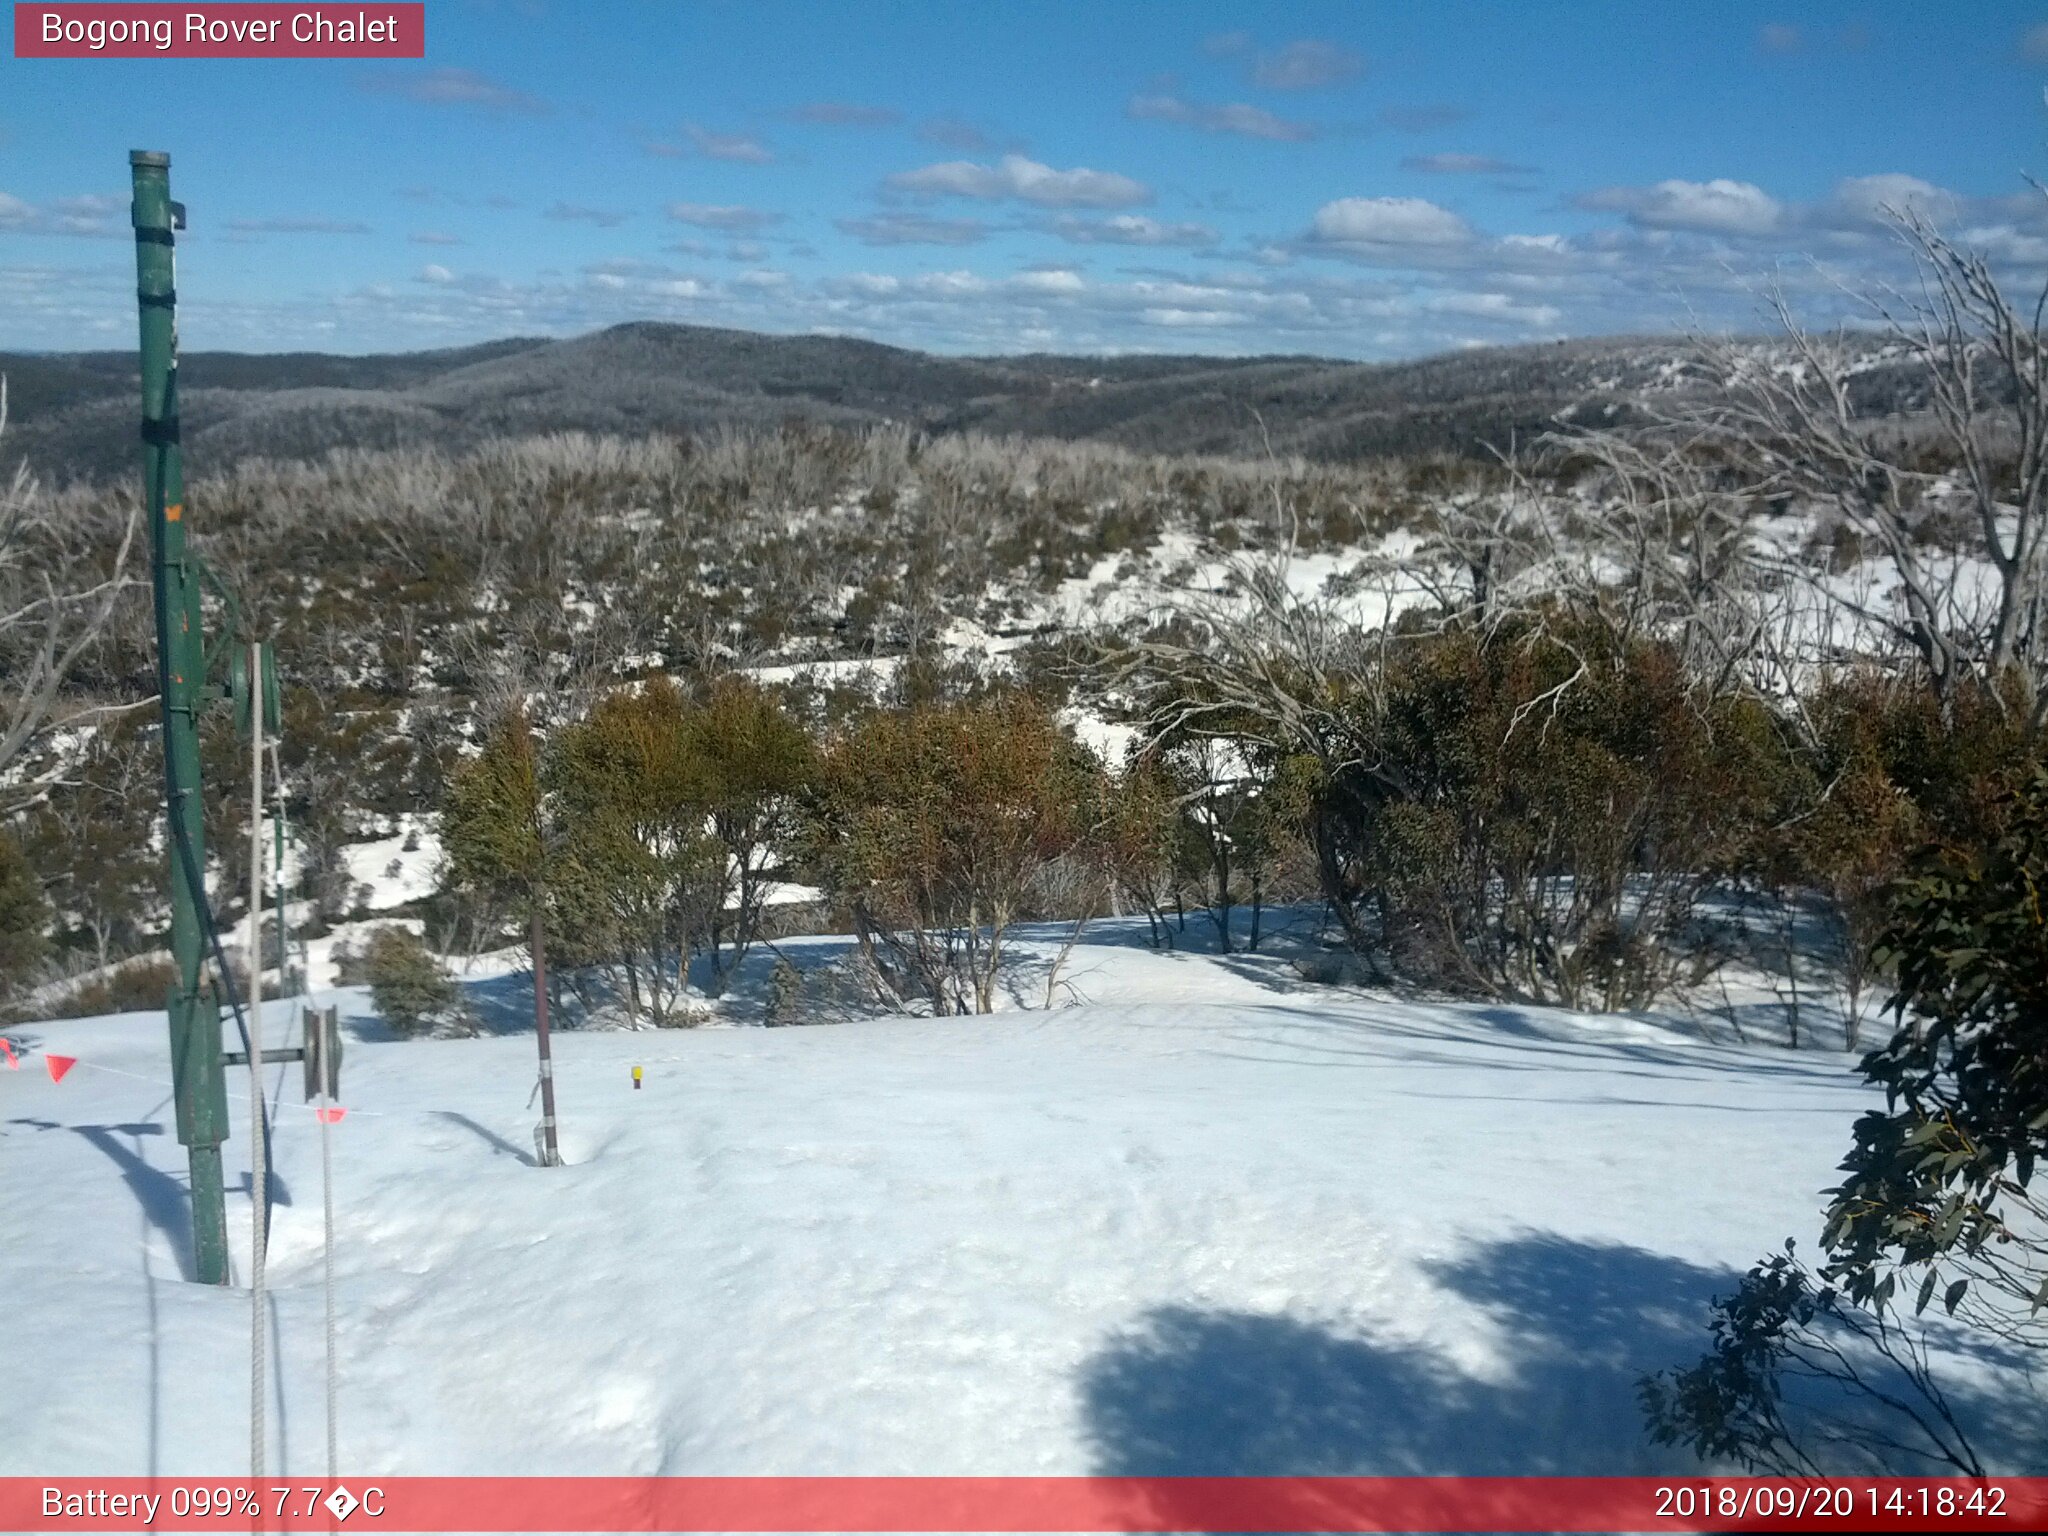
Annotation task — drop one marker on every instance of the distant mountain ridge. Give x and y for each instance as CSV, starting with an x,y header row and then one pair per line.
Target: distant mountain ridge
x,y
73,415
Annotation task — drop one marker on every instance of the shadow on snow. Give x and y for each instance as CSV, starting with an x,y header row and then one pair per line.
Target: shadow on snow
x,y
1187,1392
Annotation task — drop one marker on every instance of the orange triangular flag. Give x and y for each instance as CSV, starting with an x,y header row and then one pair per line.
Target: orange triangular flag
x,y
8,1046
331,1113
59,1065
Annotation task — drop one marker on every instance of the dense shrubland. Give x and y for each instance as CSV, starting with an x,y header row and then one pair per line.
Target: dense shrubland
x,y
1540,775
1563,728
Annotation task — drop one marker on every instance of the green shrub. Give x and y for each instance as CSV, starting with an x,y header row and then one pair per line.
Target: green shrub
x,y
1545,807
24,916
409,988
1938,1192
935,827
785,993
1936,1205
140,985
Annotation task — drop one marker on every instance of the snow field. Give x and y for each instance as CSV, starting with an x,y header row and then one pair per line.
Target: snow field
x,y
1210,1221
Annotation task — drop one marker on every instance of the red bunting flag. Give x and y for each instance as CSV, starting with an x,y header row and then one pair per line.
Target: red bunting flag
x,y
331,1113
59,1065
7,1045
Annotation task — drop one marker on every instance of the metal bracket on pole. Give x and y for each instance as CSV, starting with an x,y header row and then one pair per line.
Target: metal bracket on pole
x,y
322,1053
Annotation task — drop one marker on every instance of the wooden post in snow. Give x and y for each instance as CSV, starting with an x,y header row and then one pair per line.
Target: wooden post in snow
x,y
550,1150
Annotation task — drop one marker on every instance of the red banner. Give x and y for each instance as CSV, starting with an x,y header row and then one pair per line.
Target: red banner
x,y
216,31
1023,1504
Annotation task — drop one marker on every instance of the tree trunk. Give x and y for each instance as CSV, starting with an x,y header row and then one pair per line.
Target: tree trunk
x,y
551,1154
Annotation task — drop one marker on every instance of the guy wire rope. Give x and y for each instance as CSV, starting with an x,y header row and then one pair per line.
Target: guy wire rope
x,y
259,1117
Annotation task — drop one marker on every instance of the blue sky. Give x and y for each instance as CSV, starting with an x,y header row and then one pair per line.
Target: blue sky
x,y
1351,179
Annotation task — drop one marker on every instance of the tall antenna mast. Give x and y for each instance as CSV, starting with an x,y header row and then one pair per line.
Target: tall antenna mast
x,y
197,1072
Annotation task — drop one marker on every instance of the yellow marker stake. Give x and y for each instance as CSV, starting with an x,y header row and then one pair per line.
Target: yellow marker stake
x,y
636,1078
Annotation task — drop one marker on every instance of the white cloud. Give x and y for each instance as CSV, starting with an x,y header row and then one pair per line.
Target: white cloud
x,y
1057,280
1718,207
730,217
846,114
577,213
1465,165
1582,286
1857,206
1226,117
1027,180
448,87
297,227
1307,65
954,132
14,213
1131,229
956,284
1495,306
2003,243
737,147
1866,199
912,229
434,273
1399,221
1423,117
88,205
1183,318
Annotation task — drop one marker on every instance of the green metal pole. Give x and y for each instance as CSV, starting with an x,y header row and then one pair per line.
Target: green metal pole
x,y
197,1074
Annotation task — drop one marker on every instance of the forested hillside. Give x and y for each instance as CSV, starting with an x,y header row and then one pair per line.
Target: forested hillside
x,y
73,415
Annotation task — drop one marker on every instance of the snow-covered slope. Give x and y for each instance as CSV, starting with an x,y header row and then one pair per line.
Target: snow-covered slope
x,y
1213,1221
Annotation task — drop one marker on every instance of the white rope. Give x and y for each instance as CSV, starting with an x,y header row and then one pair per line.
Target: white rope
x,y
318,1043
84,1065
327,1240
258,1181
277,811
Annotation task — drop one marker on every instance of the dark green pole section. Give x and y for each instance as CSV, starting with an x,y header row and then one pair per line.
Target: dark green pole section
x,y
196,1069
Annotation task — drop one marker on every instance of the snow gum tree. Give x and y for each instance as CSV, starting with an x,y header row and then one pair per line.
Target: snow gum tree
x,y
493,823
408,986
24,916
1139,843
62,579
1937,1207
1949,504
933,826
653,825
95,835
1554,802
631,792
492,826
757,764
1939,1187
